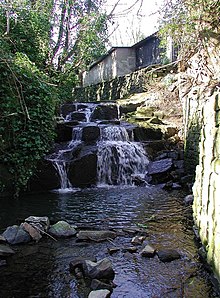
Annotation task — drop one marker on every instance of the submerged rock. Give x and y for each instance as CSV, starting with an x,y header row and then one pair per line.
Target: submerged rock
x,y
168,255
62,229
16,234
99,294
99,270
96,235
6,251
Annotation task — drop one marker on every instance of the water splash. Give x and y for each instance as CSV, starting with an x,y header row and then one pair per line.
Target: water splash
x,y
119,160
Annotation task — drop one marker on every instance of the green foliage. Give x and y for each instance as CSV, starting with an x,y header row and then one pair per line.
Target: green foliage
x,y
190,23
27,116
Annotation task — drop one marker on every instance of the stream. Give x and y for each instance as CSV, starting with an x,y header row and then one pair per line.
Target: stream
x,y
42,269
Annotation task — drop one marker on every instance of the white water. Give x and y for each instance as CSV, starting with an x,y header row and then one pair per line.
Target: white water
x,y
119,159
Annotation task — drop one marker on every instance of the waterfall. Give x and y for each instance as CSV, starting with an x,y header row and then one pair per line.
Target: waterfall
x,y
119,159
61,168
107,155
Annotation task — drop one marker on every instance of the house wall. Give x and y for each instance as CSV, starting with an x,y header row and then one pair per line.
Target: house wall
x,y
119,62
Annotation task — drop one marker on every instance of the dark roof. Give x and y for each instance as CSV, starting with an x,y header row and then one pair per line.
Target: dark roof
x,y
138,44
106,55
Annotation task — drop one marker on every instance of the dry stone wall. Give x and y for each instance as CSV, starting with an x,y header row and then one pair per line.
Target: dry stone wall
x,y
200,95
119,87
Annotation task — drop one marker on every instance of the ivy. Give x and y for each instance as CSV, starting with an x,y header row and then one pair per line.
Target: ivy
x,y
27,117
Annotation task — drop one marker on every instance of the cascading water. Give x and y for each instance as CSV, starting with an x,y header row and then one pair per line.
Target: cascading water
x,y
119,159
100,145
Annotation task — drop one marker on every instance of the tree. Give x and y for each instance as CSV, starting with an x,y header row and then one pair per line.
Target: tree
x,y
78,33
190,23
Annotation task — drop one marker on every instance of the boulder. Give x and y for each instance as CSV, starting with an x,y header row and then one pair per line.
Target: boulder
x,y
99,270
67,108
16,234
90,134
41,222
99,294
99,285
5,251
79,116
45,177
78,176
63,133
34,233
105,112
168,255
146,134
160,166
148,251
96,235
62,229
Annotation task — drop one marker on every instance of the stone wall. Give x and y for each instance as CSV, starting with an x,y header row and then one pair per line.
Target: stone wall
x,y
120,87
200,95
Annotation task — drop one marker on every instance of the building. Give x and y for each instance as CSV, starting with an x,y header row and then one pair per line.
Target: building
x,y
119,61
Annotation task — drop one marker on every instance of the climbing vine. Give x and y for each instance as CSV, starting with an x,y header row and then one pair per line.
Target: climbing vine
x,y
26,117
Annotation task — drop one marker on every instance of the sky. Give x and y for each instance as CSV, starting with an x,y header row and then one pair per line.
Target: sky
x,y
132,21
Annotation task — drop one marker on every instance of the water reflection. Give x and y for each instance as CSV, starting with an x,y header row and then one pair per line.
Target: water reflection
x,y
42,270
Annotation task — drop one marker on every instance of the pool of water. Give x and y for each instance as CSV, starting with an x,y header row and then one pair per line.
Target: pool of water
x,y
42,269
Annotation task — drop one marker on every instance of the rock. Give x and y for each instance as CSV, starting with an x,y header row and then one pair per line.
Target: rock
x,y
146,134
148,251
105,112
160,166
168,255
63,133
99,270
99,294
45,177
16,234
77,174
41,222
96,235
139,179
66,109
62,229
78,263
2,239
99,285
188,200
131,249
34,233
90,134
156,120
3,263
6,251
79,116
113,250
138,240
170,132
